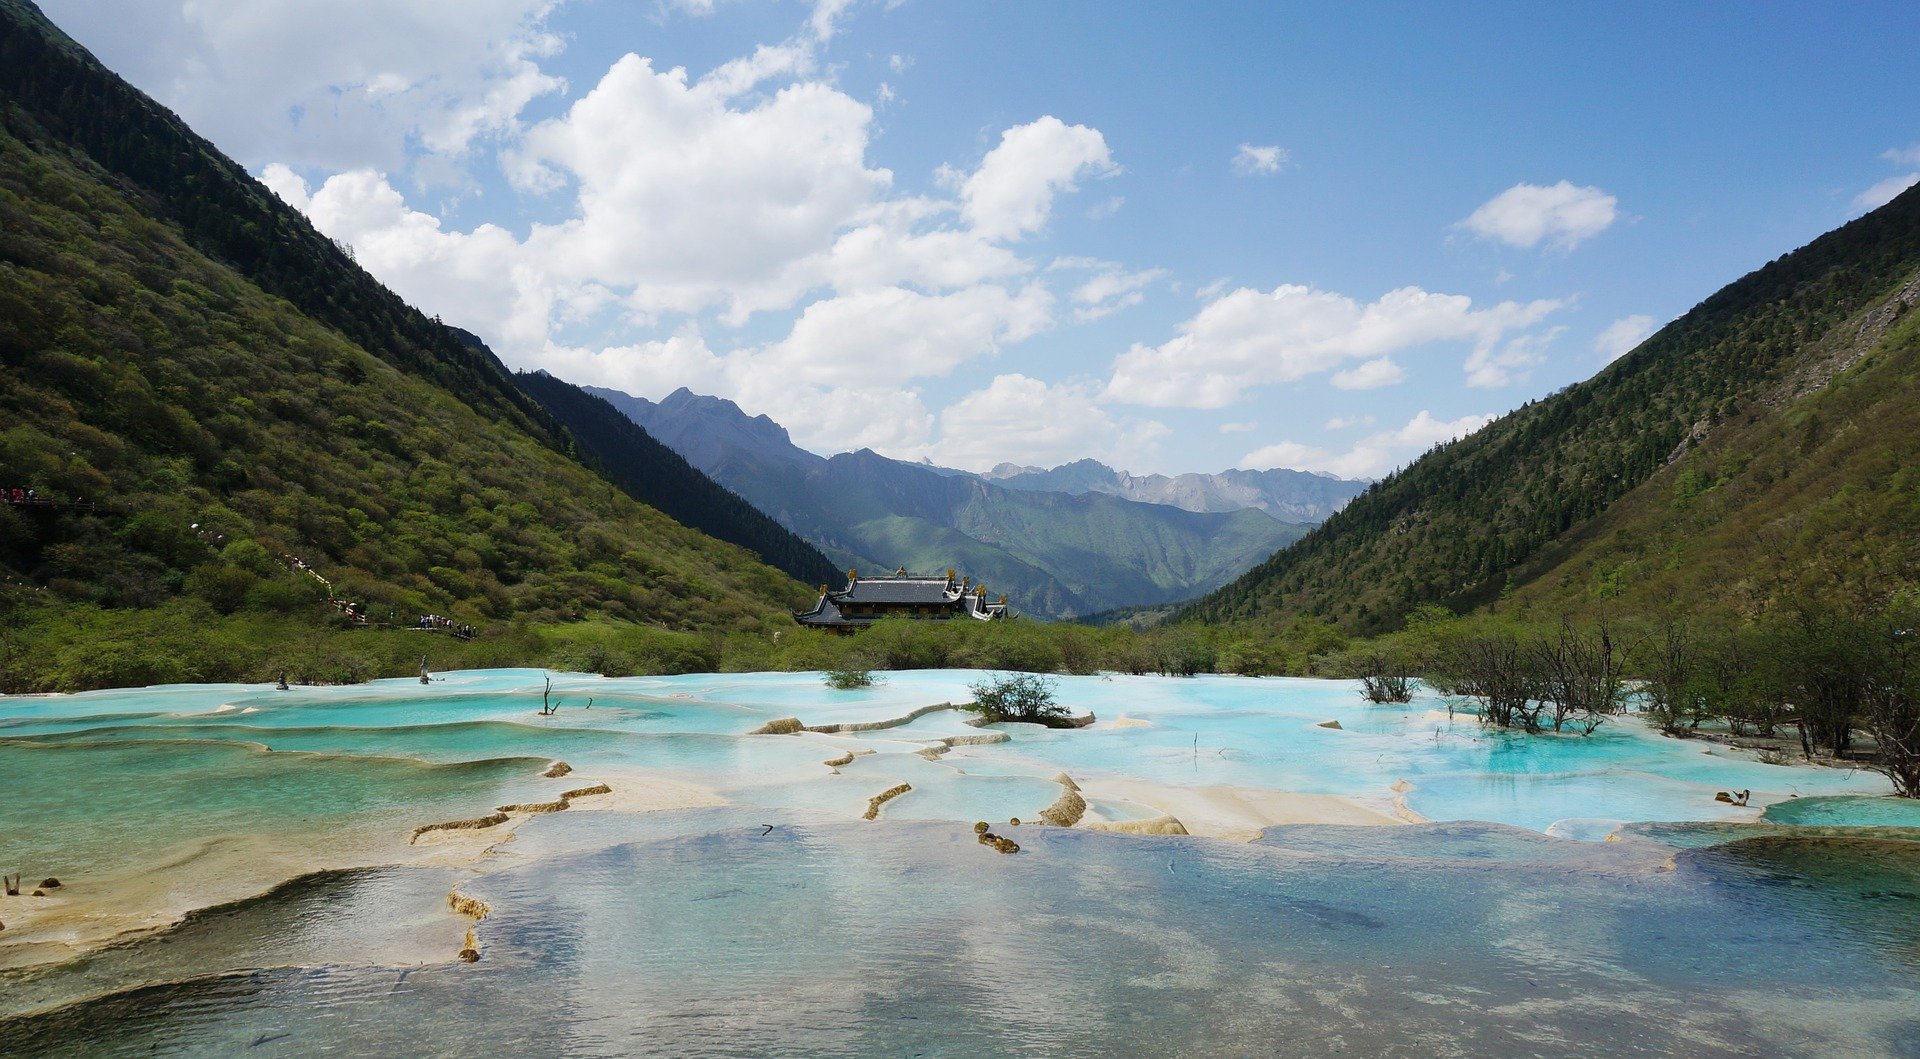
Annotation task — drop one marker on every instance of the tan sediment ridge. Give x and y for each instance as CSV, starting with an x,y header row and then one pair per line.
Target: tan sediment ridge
x,y
490,820
983,739
1238,813
535,807
499,815
874,803
1066,810
471,907
475,909
1400,808
881,725
1158,825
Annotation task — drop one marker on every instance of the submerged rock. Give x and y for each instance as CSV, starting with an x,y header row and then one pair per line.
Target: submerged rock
x,y
50,883
557,770
1330,724
780,726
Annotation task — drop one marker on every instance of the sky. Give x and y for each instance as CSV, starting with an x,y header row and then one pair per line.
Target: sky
x,y
1171,237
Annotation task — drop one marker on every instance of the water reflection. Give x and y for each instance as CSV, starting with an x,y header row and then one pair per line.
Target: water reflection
x,y
907,938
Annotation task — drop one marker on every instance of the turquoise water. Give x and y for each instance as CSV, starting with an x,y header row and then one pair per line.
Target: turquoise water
x,y
703,934
192,761
1847,812
782,922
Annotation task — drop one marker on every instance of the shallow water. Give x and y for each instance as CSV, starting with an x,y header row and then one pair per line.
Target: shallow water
x,y
839,938
781,922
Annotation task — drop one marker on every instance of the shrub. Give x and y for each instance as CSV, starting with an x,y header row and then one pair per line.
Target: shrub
x,y
1017,697
848,679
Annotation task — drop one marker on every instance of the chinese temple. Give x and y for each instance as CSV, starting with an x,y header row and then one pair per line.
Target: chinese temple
x,y
866,600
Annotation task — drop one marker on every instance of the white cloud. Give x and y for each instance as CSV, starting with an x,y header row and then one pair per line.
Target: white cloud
x,y
342,84
1213,289
1248,338
1372,456
716,195
477,279
1622,335
1021,419
1238,428
1289,454
1370,376
1259,161
893,335
1509,362
686,200
824,22
1526,214
1011,194
887,251
1885,191
1110,289
1903,155
842,377
822,418
1345,422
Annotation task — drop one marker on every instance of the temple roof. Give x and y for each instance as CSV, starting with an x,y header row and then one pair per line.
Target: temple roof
x,y
901,590
823,613
897,590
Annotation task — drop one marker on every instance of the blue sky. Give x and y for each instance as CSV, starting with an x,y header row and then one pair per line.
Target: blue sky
x,y
1172,237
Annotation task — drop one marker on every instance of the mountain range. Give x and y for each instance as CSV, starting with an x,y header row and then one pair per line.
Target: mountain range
x,y
1063,543
1288,495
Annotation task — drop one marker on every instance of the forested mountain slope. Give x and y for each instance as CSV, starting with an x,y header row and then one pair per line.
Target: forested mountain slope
x,y
1809,493
196,400
169,172
655,475
1473,519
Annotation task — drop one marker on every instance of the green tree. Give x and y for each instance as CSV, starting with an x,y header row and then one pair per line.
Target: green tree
x,y
1017,697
